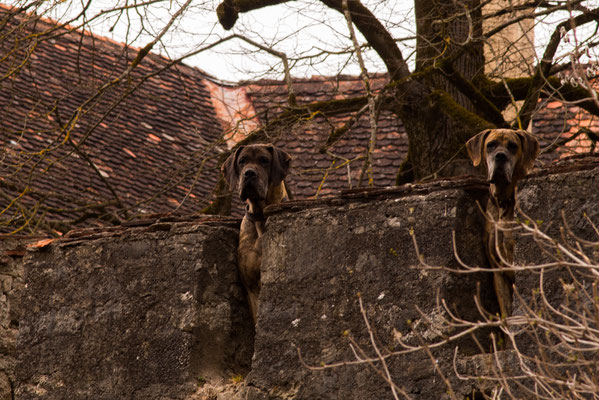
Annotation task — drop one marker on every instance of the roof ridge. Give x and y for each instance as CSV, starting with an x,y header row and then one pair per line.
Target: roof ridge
x,y
315,79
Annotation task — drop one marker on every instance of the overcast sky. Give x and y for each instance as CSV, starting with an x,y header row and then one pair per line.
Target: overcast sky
x,y
275,26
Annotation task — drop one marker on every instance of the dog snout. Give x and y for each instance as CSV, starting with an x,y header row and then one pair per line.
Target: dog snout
x,y
500,157
250,173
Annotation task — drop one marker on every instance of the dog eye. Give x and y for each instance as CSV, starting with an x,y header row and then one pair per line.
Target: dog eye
x,y
512,146
242,161
492,144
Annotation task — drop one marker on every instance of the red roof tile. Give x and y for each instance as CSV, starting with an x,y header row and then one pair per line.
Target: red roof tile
x,y
318,174
144,148
563,129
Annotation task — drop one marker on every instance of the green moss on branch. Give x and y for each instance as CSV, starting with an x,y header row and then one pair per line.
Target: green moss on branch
x,y
472,122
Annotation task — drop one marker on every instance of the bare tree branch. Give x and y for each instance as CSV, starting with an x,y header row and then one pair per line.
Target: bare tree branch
x,y
544,67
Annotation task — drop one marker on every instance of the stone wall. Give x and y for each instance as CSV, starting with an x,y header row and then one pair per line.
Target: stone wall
x,y
561,201
11,284
568,195
320,258
320,255
157,311
139,313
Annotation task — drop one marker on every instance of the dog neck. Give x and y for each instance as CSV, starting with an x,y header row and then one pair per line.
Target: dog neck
x,y
254,209
255,216
504,198
276,194
254,213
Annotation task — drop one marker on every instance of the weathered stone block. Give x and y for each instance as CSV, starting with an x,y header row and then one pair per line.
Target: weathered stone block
x,y
138,314
555,201
564,205
11,278
318,259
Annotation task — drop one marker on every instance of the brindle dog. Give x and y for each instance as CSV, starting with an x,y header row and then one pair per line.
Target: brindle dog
x,y
257,171
507,155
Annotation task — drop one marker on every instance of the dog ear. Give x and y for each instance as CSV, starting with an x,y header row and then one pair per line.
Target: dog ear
x,y
281,161
475,146
230,170
530,149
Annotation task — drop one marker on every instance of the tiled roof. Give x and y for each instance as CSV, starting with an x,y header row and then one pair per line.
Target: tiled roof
x,y
316,173
147,148
565,130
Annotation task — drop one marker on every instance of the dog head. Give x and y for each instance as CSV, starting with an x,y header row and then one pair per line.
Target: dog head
x,y
508,154
252,169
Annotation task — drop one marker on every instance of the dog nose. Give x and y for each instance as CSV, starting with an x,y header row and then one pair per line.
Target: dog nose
x,y
249,173
501,157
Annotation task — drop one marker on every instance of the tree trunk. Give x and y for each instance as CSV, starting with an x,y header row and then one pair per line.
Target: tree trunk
x,y
436,129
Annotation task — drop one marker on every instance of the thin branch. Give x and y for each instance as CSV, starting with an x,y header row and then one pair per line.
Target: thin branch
x,y
373,114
